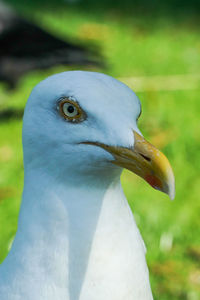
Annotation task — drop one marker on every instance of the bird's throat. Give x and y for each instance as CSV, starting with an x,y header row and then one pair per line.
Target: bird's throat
x,y
77,240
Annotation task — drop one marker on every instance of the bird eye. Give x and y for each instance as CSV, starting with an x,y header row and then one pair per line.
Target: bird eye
x,y
70,110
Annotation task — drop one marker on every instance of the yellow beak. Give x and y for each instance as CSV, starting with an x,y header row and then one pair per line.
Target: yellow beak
x,y
146,161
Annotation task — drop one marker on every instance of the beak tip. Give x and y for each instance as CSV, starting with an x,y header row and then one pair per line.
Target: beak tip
x,y
171,195
171,188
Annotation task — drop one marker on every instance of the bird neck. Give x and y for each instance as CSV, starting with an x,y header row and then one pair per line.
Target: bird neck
x,y
56,229
75,243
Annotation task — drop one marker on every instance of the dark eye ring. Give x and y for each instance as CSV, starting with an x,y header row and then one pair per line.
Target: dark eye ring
x,y
70,110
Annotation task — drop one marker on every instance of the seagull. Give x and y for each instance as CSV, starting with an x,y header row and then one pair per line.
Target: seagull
x,y
77,238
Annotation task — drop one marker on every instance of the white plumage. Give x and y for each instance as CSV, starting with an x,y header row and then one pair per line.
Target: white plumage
x,y
77,238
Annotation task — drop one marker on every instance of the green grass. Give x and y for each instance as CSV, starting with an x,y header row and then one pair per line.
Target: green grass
x,y
170,119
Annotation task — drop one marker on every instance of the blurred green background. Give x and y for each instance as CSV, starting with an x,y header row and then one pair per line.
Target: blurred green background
x,y
154,47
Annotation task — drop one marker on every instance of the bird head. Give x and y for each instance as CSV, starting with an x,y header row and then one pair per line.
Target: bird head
x,y
85,124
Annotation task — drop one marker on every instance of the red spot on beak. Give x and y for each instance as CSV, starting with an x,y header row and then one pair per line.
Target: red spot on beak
x,y
154,181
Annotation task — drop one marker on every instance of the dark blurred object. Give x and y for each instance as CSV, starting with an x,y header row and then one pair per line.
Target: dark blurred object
x,y
25,47
10,113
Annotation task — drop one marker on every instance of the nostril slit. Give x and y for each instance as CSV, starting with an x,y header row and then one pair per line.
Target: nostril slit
x,y
145,157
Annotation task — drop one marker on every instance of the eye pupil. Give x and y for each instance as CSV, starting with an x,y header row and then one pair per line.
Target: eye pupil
x,y
70,109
